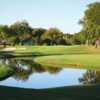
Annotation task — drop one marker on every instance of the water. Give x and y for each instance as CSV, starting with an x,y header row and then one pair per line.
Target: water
x,y
28,74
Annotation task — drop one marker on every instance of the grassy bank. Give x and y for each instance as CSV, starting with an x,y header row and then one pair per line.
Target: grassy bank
x,y
63,93
87,61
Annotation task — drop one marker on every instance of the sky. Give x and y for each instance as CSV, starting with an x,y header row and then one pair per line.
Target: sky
x,y
63,14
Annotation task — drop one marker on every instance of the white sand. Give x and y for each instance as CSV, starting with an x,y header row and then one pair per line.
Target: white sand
x,y
9,49
13,49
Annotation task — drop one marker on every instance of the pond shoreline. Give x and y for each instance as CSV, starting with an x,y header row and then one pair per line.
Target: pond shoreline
x,y
87,56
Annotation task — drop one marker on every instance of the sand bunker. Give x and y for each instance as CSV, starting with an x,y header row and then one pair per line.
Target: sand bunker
x,y
9,49
13,49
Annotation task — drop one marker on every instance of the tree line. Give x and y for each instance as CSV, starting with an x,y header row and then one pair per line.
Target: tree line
x,y
21,33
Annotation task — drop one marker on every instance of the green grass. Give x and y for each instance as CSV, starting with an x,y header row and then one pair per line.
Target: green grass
x,y
75,49
60,56
5,71
51,50
88,61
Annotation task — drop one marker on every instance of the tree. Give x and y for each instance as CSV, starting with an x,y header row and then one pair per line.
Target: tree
x,y
4,35
37,33
22,30
3,32
53,34
91,22
68,39
79,38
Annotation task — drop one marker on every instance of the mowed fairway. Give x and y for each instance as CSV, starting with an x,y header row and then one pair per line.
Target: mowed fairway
x,y
57,50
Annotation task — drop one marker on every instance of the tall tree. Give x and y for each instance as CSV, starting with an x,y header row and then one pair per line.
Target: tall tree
x,y
79,38
4,34
91,22
22,30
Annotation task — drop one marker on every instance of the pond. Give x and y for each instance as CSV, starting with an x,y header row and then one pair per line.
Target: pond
x,y
25,73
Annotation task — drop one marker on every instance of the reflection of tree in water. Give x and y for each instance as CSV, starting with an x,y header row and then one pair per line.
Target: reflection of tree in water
x,y
21,75
23,68
35,68
52,70
90,77
4,61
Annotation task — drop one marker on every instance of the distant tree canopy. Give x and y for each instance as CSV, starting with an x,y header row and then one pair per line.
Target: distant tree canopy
x,y
21,33
37,34
52,35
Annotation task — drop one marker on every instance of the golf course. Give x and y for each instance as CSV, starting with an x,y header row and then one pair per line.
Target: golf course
x,y
50,50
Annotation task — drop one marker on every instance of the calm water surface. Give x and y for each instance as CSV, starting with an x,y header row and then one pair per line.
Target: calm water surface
x,y
28,74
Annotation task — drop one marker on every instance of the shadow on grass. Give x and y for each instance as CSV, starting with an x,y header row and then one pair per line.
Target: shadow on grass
x,y
10,54
63,93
